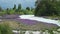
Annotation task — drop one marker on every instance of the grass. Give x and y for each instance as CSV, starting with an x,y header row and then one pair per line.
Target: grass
x,y
13,24
5,28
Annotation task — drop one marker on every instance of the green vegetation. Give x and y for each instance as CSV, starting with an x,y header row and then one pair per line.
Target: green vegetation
x,y
47,8
15,10
43,8
5,29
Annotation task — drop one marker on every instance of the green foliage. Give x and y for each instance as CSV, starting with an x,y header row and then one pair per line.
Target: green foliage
x,y
12,11
28,12
14,8
7,11
5,29
47,8
19,7
27,8
0,8
18,11
50,31
3,12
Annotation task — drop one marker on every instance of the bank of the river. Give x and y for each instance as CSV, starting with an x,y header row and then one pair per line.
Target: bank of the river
x,y
35,32
32,23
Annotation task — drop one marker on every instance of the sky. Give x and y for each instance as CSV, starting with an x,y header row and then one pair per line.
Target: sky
x,y
10,3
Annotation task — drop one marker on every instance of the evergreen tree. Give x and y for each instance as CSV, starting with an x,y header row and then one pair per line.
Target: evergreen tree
x,y
7,10
19,7
0,8
27,8
14,8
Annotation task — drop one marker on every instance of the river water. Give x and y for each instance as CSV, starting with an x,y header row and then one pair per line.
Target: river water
x,y
41,19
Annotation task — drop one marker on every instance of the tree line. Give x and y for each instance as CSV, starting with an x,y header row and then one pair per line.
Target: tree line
x,y
42,8
16,10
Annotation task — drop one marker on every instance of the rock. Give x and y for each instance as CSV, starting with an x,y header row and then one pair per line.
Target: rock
x,y
36,32
15,31
58,29
27,32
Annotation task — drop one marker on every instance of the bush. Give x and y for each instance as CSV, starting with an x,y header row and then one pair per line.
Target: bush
x,y
5,29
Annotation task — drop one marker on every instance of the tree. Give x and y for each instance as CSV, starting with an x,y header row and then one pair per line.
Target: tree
x,y
0,8
27,8
7,10
14,8
32,9
19,7
46,8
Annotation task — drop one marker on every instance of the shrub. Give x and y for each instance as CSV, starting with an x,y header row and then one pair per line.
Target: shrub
x,y
5,29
